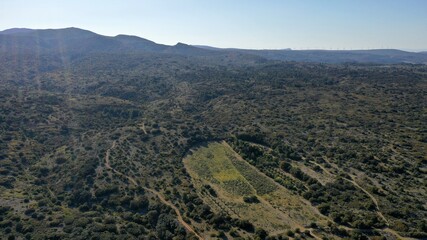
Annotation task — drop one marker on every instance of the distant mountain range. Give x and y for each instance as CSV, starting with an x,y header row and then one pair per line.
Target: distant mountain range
x,y
334,56
74,42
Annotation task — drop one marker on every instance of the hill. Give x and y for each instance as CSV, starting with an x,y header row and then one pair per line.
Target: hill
x,y
74,42
177,142
381,56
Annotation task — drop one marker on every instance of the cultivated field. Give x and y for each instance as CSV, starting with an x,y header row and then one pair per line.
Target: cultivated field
x,y
233,186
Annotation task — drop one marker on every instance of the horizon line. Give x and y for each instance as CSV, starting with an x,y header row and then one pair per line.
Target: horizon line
x,y
236,48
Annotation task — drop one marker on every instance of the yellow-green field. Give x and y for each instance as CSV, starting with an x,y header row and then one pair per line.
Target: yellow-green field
x,y
232,178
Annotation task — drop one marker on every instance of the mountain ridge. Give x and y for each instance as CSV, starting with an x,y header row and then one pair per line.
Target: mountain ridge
x,y
118,137
75,42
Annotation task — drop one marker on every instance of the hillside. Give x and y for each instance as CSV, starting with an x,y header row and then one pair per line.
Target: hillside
x,y
74,42
122,138
381,56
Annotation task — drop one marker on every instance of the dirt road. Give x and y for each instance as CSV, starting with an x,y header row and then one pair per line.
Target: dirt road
x,y
159,195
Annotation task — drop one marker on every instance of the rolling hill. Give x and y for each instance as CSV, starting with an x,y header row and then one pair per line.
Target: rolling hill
x,y
123,138
381,56
76,42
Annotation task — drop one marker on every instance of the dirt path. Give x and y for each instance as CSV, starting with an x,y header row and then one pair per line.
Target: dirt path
x,y
374,200
159,195
323,168
314,235
352,181
142,127
180,219
107,155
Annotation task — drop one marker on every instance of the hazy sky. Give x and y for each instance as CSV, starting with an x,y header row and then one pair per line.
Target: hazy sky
x,y
298,24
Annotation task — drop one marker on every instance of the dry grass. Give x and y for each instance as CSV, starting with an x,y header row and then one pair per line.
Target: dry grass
x,y
232,178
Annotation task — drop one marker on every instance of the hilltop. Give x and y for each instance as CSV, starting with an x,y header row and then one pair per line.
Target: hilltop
x,y
75,42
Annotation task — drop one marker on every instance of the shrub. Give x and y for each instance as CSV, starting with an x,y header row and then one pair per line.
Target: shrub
x,y
251,199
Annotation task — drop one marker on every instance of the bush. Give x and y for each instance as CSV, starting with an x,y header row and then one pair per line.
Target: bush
x,y
261,233
250,199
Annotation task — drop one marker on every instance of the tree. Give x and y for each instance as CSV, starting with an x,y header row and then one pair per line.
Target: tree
x,y
261,233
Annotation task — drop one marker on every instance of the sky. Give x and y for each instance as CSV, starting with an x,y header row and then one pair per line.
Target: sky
x,y
252,24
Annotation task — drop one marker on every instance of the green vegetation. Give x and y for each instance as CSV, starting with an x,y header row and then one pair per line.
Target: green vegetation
x,y
338,151
254,197
250,199
216,167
